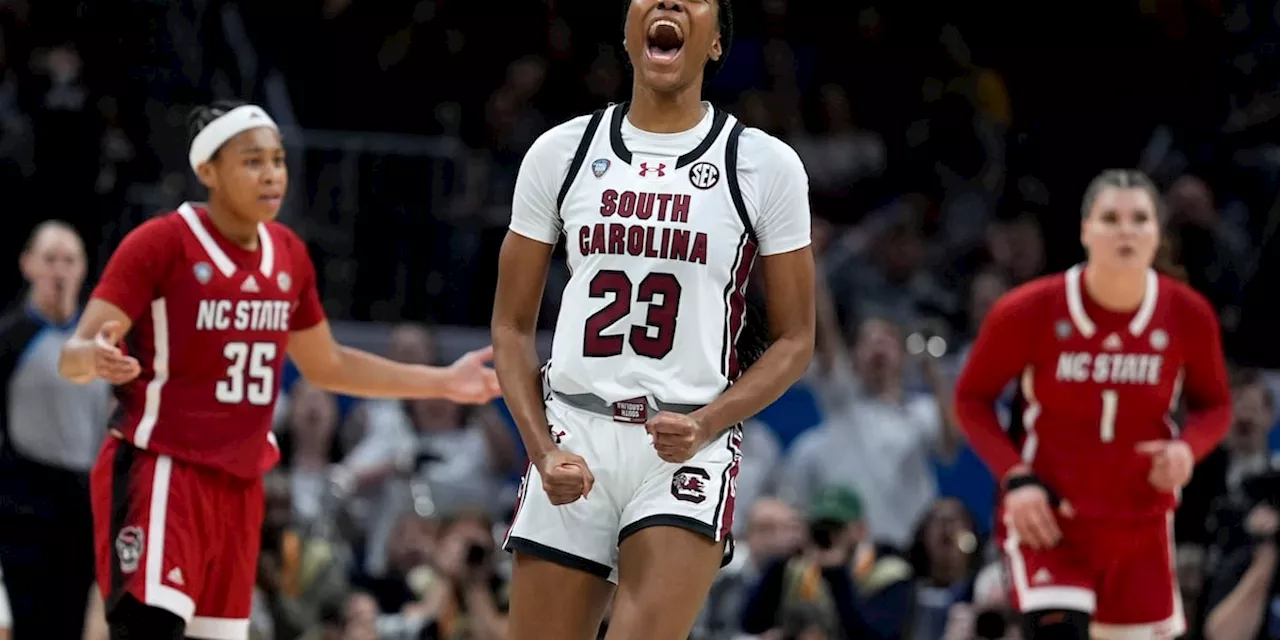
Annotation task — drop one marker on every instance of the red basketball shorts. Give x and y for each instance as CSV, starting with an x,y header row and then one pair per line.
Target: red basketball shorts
x,y
1120,571
177,536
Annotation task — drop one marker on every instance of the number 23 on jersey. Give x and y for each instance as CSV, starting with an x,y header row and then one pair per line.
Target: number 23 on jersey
x,y
250,373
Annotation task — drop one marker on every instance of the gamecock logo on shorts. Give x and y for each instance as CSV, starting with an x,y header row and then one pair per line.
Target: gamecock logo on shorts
x,y
129,548
690,484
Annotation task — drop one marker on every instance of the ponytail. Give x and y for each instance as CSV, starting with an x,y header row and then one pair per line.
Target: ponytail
x,y
754,338
1166,260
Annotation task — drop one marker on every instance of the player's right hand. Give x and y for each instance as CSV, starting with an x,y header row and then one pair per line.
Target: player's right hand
x,y
109,362
565,476
1028,512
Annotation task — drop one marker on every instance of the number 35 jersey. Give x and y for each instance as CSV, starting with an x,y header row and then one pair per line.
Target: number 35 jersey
x,y
661,232
211,323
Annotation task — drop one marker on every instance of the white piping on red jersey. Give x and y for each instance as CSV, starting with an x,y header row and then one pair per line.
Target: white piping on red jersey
x,y
219,257
1075,304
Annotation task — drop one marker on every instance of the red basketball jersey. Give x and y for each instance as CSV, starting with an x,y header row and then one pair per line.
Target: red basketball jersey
x,y
1096,383
211,323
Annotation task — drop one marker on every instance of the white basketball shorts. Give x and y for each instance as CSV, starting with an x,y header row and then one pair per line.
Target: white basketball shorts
x,y
634,489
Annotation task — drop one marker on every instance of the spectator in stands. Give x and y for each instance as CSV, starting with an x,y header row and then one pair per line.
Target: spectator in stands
x,y
893,283
309,450
297,572
474,603
1217,256
875,434
50,432
757,470
837,586
773,531
1244,594
945,559
1243,454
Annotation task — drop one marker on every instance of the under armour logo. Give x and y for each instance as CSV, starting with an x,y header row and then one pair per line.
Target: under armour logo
x,y
661,170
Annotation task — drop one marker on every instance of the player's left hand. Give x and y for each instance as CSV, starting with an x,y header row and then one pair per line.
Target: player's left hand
x,y
676,436
471,381
1171,463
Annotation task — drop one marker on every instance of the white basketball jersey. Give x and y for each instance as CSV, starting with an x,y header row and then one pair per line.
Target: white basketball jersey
x,y
659,251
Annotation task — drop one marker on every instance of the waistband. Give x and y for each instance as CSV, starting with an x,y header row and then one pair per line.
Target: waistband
x,y
633,411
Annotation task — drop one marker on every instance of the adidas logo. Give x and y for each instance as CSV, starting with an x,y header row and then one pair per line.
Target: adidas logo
x,y
1113,343
250,285
175,576
1042,576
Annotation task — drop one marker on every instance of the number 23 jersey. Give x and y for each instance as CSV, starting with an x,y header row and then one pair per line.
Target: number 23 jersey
x,y
661,232
211,324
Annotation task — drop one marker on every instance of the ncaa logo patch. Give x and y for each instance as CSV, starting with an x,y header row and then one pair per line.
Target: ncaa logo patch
x,y
1062,329
284,281
704,175
203,272
690,484
600,166
129,548
1159,339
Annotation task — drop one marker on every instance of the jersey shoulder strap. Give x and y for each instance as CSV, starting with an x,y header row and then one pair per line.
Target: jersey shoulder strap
x,y
580,156
731,171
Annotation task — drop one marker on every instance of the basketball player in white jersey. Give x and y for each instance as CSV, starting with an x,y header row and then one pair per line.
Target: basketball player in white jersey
x,y
633,427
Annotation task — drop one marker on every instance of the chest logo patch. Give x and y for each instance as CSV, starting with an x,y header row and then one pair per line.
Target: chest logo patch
x,y
600,166
704,175
203,272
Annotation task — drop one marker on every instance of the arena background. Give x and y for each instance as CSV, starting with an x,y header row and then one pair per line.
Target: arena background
x,y
943,142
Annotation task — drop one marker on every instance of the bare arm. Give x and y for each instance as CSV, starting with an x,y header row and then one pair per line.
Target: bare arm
x,y
1240,614
789,296
85,356
522,275
829,340
348,371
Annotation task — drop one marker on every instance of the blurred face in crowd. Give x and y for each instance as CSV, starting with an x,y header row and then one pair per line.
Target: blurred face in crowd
x,y
774,529
54,265
902,254
670,41
313,418
1121,230
1254,416
248,175
412,344
948,538
1191,202
411,543
361,617
987,287
878,352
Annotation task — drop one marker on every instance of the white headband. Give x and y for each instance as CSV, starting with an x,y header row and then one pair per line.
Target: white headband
x,y
225,127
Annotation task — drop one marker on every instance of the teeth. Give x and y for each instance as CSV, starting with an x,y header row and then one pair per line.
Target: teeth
x,y
656,23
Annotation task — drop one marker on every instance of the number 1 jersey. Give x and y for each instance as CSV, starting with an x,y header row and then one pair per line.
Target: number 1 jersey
x,y
1095,385
211,324
661,232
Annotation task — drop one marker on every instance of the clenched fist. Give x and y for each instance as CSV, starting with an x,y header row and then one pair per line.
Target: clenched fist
x,y
676,436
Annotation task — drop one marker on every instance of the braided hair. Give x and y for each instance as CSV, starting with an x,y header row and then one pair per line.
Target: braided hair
x,y
200,117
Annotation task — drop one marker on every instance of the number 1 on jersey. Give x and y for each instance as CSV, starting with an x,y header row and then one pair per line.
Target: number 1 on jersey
x,y
1110,404
255,361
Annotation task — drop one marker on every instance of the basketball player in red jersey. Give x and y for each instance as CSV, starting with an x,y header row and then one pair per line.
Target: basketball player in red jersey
x,y
212,297
1103,353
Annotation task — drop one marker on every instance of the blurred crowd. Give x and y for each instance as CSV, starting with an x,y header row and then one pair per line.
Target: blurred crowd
x,y
944,171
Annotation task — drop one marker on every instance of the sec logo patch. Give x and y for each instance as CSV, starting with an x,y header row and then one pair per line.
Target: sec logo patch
x,y
704,175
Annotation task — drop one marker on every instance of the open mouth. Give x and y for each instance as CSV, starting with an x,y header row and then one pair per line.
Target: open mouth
x,y
271,198
666,39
